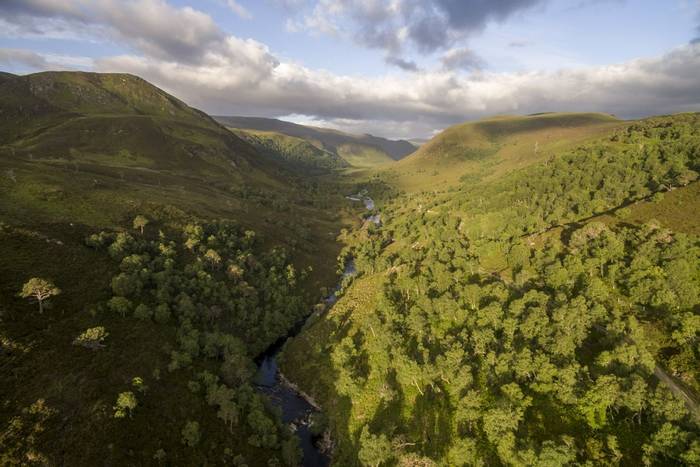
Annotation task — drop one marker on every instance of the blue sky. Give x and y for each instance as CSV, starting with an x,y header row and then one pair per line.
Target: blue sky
x,y
399,68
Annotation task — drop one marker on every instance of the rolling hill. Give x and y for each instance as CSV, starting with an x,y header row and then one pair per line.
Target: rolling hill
x,y
494,145
357,150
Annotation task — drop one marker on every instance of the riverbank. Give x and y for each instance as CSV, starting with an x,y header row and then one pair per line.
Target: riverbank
x,y
297,406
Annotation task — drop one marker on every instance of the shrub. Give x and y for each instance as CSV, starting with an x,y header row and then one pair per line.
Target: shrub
x,y
190,434
119,305
143,312
92,338
138,383
162,313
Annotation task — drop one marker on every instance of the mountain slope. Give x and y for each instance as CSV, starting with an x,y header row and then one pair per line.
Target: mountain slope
x,y
298,154
360,150
68,112
533,314
189,250
495,145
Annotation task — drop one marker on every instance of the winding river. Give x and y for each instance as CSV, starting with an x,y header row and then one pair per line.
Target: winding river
x,y
296,409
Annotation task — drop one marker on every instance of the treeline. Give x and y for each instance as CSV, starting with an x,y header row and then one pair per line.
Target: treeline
x,y
644,158
577,352
229,300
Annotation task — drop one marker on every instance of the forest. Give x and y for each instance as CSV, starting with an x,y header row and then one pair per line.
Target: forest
x,y
509,322
228,301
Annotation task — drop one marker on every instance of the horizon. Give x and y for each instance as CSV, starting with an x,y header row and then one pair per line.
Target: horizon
x,y
405,69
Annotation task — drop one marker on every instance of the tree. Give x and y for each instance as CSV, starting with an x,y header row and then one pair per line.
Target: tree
x,y
39,289
228,412
140,222
374,450
92,338
126,403
190,434
213,258
119,305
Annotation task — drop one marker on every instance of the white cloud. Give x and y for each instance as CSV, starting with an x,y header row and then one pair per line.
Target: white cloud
x,y
462,58
239,9
415,105
224,74
27,59
23,58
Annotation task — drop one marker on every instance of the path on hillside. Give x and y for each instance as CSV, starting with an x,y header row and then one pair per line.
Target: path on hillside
x,y
681,392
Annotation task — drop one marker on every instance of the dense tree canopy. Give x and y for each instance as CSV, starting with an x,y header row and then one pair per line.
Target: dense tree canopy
x,y
496,341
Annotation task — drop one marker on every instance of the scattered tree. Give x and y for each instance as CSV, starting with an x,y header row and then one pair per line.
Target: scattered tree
x,y
92,338
126,403
40,290
140,222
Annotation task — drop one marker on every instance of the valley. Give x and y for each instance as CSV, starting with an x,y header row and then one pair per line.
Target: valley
x,y
518,290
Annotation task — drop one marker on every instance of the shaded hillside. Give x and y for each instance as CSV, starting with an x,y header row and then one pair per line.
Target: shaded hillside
x,y
356,149
65,113
296,153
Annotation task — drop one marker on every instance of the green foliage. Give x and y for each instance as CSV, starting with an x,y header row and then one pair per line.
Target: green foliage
x,y
296,153
375,450
40,290
190,434
126,403
119,305
143,312
140,222
632,164
223,316
291,452
92,338
485,335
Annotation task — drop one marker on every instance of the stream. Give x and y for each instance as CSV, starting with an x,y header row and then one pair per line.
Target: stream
x,y
296,409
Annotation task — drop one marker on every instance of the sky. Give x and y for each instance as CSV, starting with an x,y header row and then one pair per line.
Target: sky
x,y
394,68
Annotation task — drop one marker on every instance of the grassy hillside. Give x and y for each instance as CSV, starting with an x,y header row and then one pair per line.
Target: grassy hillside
x,y
358,150
494,146
544,312
232,254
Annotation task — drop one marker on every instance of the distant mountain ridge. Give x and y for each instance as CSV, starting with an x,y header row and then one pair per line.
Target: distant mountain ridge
x,y
330,140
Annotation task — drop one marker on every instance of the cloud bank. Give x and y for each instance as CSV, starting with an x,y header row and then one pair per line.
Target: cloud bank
x,y
224,74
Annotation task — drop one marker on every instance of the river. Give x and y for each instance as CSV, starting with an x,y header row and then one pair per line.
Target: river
x,y
296,410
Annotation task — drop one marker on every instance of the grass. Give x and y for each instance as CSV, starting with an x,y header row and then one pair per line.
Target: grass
x,y
675,210
363,156
296,153
487,149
